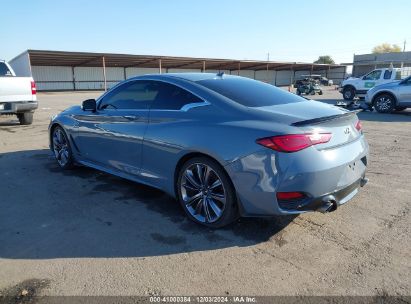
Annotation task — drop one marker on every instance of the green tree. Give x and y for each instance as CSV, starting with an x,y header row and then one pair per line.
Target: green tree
x,y
386,48
325,60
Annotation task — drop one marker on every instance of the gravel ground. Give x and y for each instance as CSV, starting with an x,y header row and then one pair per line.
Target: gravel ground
x,y
88,233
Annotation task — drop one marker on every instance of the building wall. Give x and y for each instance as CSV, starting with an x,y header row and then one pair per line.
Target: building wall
x,y
56,78
21,65
365,63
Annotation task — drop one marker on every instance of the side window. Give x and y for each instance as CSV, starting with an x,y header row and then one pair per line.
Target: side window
x,y
387,74
374,75
171,97
4,70
131,95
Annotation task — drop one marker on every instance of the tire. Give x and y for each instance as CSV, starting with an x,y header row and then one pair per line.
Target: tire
x,y
61,148
384,103
25,118
320,93
348,93
208,200
399,109
298,92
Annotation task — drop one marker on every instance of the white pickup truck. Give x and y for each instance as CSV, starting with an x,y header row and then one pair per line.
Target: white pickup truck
x,y
358,87
17,95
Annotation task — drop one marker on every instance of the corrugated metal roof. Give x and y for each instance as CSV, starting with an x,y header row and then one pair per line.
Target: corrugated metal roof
x,y
62,58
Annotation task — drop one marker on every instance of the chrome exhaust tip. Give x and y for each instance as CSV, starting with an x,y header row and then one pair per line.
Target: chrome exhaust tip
x,y
330,204
363,181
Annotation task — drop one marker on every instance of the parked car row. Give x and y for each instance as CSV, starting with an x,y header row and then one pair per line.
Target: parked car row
x,y
385,90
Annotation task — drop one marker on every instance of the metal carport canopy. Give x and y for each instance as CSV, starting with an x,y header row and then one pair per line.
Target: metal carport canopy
x,y
86,59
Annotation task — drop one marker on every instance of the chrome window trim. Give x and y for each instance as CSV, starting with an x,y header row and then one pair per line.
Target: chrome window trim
x,y
184,108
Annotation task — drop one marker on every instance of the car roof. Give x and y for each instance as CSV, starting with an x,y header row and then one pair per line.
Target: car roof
x,y
189,76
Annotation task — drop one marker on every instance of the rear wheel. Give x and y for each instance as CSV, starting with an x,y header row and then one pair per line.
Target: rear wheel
x,y
61,148
348,93
384,103
25,118
320,92
206,193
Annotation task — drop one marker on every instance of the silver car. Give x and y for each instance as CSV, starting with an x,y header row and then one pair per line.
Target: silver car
x,y
223,146
388,97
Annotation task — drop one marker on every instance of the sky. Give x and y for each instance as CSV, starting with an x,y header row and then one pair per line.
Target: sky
x,y
295,30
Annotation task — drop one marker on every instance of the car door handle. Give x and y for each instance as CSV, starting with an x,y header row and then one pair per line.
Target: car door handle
x,y
131,117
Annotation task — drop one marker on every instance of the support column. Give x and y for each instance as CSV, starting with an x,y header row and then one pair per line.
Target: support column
x,y
73,77
104,74
159,66
204,66
125,73
239,68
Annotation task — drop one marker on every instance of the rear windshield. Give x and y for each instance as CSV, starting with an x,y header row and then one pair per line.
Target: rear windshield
x,y
4,71
248,92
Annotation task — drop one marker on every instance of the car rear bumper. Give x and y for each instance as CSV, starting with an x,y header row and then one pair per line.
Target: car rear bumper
x,y
18,107
322,175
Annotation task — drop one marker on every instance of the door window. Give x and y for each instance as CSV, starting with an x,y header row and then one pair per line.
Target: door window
x,y
4,70
387,74
136,95
374,75
171,97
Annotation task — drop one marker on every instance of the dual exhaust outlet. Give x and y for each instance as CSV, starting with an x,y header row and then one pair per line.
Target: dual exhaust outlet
x,y
330,202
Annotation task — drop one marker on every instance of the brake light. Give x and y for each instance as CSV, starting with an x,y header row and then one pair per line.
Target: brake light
x,y
33,88
294,142
358,126
287,196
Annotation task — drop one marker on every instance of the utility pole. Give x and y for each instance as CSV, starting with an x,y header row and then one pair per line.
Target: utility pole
x,y
405,43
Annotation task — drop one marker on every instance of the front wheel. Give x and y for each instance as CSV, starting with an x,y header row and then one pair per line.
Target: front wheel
x,y
384,103
348,93
206,193
61,148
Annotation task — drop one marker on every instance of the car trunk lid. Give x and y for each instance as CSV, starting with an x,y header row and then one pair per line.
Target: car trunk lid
x,y
316,117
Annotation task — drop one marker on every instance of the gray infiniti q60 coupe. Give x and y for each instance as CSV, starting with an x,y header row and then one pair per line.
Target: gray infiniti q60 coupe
x,y
223,146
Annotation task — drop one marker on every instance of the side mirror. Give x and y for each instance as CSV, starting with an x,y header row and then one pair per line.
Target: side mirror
x,y
89,105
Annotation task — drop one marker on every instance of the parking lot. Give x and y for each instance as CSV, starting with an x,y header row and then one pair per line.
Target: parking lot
x,y
83,232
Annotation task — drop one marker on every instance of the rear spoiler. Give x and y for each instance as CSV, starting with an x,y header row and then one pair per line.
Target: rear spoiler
x,y
324,119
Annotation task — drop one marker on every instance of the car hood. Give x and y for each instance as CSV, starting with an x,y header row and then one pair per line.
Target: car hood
x,y
386,85
293,112
72,110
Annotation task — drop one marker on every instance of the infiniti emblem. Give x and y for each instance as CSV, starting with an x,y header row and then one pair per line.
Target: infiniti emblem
x,y
347,131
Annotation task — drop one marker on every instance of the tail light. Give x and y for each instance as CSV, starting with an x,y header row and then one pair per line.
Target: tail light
x,y
289,196
294,142
358,126
33,88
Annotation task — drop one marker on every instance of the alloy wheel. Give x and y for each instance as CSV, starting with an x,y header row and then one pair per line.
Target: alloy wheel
x,y
384,103
203,193
60,147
